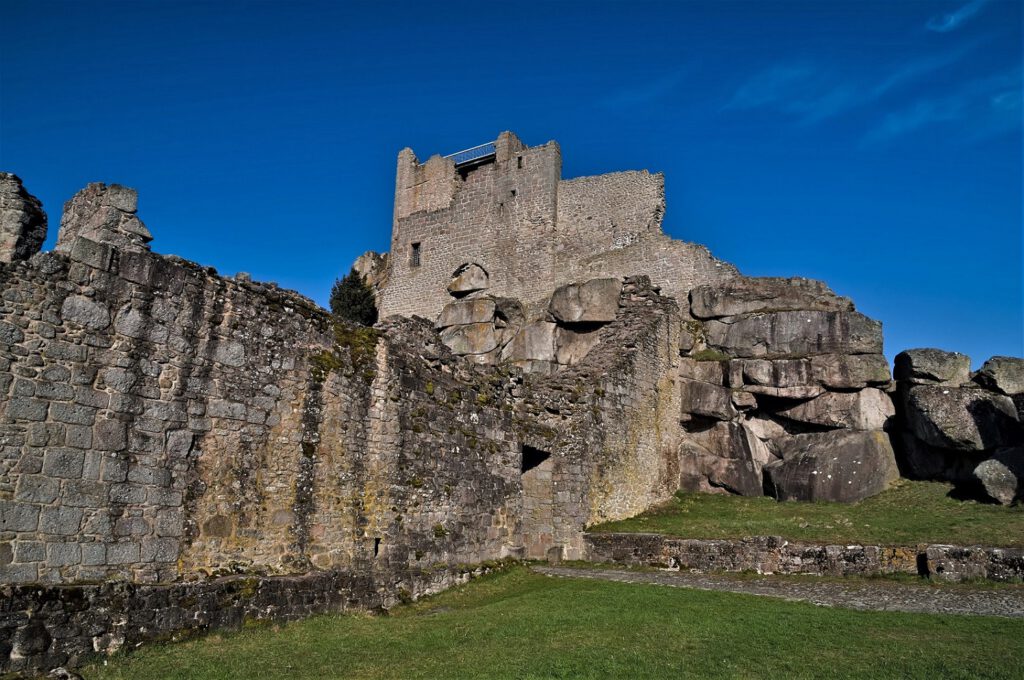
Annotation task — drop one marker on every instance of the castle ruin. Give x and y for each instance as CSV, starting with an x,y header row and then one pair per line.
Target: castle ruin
x,y
181,450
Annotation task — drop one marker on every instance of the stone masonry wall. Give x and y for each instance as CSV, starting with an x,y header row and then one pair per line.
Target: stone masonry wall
x,y
775,555
529,230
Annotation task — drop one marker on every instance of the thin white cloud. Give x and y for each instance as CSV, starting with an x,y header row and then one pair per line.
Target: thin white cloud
x,y
648,92
944,23
981,109
812,95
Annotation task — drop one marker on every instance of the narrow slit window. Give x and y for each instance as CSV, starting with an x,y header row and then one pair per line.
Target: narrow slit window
x,y
414,255
376,547
519,160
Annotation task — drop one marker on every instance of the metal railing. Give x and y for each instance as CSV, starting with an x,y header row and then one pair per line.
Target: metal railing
x,y
472,154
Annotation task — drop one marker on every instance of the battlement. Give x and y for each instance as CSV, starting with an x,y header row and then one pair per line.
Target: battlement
x,y
503,209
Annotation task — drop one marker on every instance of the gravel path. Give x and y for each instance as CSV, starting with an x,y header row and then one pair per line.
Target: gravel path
x,y
877,596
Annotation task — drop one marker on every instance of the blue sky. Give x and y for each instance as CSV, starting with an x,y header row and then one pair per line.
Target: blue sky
x,y
874,145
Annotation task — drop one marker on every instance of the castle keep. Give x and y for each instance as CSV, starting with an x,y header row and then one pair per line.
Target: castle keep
x,y
504,210
181,450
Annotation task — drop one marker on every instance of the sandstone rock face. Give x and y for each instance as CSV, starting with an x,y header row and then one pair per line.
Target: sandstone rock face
x,y
932,367
783,367
868,409
1004,375
747,295
1002,475
103,214
22,220
596,301
958,428
469,278
372,267
841,465
777,335
964,419
495,330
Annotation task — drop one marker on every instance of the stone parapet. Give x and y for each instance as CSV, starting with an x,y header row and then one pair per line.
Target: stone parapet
x,y
775,555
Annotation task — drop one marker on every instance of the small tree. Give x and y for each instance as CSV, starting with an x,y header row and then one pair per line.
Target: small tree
x,y
352,300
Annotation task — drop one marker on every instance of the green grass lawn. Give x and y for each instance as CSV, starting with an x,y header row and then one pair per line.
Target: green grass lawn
x,y
524,625
906,514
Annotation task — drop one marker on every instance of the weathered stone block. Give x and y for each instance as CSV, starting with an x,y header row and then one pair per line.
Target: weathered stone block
x,y
94,554
23,408
962,418
79,436
746,295
1002,374
60,520
63,462
784,334
37,489
867,409
705,399
63,554
73,414
110,435
18,516
841,465
596,301
467,279
10,334
535,342
123,553
85,312
463,312
160,550
1002,475
932,366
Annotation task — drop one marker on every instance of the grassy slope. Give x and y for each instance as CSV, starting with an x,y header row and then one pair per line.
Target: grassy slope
x,y
907,514
523,625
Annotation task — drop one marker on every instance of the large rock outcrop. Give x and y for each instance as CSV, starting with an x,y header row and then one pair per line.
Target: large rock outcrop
x,y
783,391
961,427
22,220
491,330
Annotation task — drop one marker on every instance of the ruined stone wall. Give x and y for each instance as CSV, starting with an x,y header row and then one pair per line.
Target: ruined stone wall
x,y
529,230
160,421
611,211
125,376
610,423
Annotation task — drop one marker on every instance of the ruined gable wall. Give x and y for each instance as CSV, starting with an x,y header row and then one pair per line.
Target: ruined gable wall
x,y
610,211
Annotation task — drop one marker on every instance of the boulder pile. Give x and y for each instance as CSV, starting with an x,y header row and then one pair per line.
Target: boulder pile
x,y
961,427
784,392
488,329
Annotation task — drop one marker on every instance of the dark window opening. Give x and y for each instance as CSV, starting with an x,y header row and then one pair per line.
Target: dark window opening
x,y
513,193
532,458
520,161
376,547
414,255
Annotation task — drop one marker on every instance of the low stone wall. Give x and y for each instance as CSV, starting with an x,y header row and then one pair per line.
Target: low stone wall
x,y
43,627
775,555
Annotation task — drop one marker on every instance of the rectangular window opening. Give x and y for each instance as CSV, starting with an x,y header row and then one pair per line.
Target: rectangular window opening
x,y
376,547
532,458
414,255
519,160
